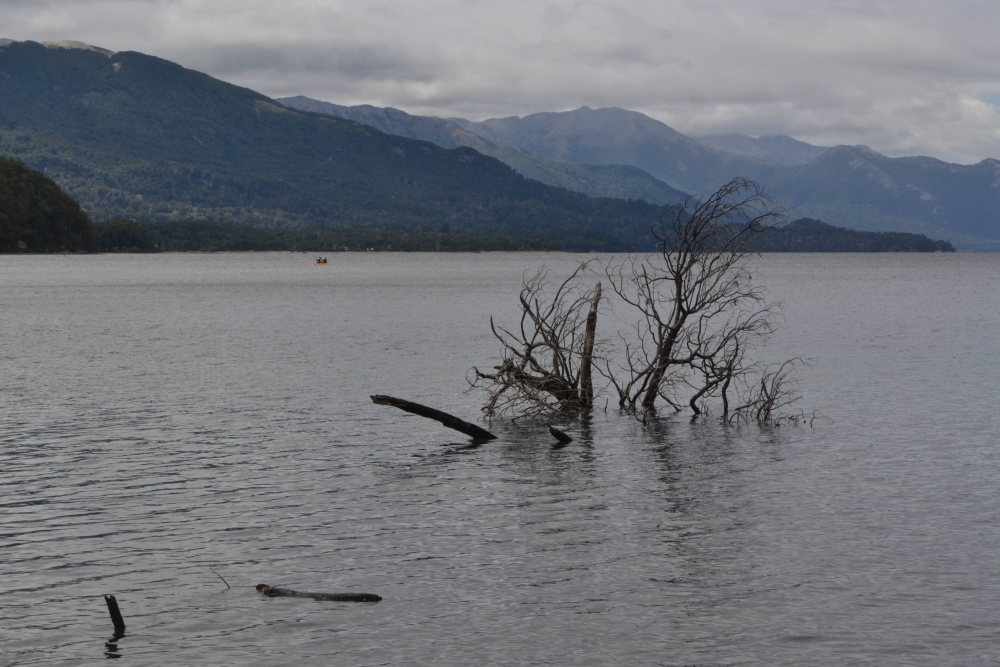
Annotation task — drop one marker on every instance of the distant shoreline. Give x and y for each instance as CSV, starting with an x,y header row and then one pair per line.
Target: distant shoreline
x,y
187,236
803,235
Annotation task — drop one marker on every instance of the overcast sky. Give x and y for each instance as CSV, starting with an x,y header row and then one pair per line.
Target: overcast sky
x,y
905,77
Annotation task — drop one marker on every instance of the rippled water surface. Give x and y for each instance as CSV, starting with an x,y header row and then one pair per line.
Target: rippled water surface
x,y
162,416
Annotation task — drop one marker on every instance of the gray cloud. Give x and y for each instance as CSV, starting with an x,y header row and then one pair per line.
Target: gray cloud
x,y
905,77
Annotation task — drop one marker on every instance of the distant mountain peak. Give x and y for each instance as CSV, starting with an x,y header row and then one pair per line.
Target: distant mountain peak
x,y
850,152
861,148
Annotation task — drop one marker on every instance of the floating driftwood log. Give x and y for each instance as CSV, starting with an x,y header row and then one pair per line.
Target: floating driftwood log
x,y
272,592
450,421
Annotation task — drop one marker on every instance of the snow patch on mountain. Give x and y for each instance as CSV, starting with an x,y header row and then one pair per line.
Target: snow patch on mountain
x,y
69,44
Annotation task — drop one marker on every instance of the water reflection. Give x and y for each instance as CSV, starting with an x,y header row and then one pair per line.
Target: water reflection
x,y
111,646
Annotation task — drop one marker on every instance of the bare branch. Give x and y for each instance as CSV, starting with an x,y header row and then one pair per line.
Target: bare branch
x,y
700,313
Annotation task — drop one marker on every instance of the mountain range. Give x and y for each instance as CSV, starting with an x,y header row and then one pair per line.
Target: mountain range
x,y
849,186
777,149
133,136
618,181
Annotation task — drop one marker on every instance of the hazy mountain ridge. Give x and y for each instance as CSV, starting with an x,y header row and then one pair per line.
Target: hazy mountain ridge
x,y
134,136
847,186
858,188
597,138
440,131
618,181
779,149
617,136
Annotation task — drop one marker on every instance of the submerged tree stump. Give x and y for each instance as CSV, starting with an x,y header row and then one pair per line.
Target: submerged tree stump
x,y
559,435
452,422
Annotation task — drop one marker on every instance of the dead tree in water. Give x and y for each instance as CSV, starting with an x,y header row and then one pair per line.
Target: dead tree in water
x,y
700,313
701,321
546,366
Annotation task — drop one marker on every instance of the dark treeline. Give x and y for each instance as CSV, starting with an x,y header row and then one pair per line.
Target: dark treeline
x,y
804,235
199,236
808,235
35,217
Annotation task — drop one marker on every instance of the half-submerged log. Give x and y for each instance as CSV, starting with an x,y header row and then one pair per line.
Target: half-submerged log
x,y
471,430
272,592
559,435
116,616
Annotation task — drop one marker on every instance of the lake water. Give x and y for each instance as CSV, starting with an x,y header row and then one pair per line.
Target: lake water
x,y
164,416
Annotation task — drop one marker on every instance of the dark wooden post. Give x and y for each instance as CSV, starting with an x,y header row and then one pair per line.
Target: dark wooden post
x,y
587,359
116,615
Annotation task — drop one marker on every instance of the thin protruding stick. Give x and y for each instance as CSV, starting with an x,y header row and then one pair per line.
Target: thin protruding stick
x,y
228,587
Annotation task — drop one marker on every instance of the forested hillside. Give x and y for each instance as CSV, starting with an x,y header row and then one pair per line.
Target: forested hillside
x,y
807,235
36,216
133,136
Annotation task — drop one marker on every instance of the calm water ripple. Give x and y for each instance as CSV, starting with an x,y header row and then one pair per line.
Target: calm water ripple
x,y
164,416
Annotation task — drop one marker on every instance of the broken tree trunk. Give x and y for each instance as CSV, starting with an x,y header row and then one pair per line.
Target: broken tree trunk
x,y
116,616
587,358
471,430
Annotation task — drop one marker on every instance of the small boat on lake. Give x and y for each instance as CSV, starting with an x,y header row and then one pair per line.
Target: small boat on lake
x,y
321,260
